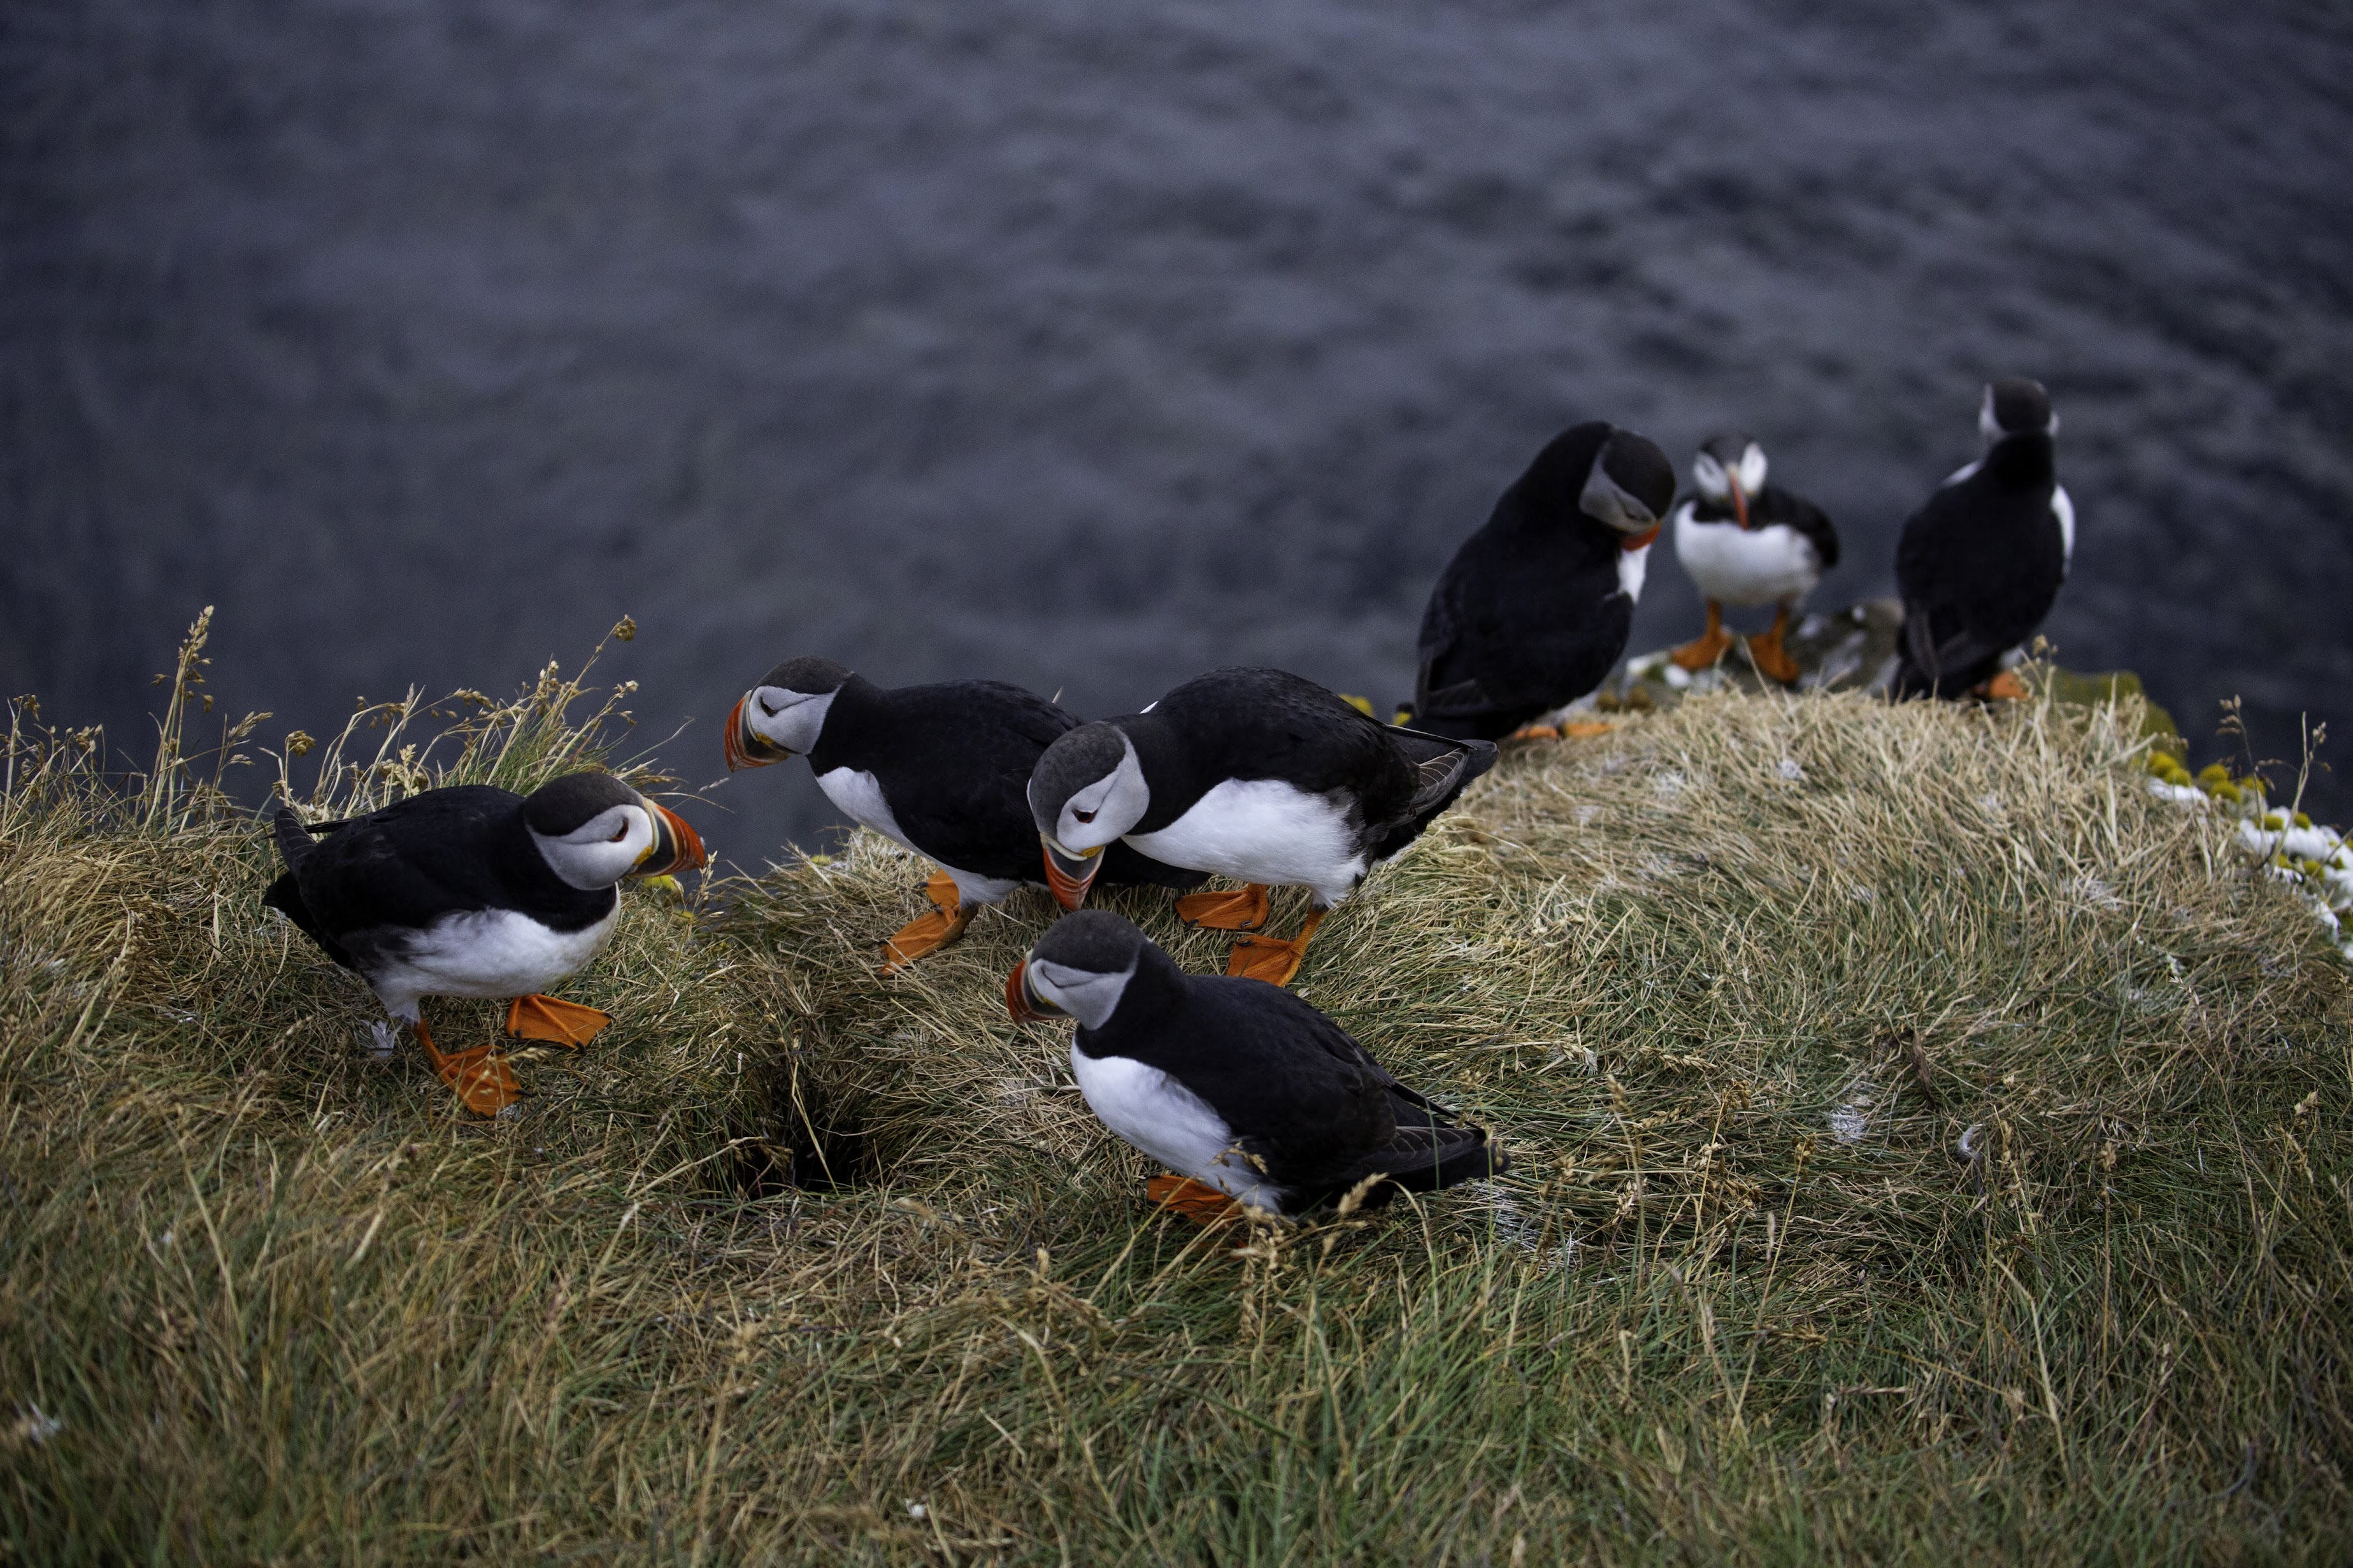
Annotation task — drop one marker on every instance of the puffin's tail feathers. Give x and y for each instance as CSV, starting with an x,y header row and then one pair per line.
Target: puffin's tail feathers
x,y
1426,1156
285,894
294,844
1443,766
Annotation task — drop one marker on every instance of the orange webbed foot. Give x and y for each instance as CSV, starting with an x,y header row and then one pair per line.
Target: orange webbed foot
x,y
1197,1201
1536,732
1272,958
486,1085
1268,958
1704,652
929,934
556,1021
1770,659
2005,688
1245,910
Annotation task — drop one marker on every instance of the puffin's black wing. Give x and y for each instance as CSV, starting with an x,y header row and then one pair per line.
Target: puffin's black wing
x,y
1528,622
1979,565
1775,505
1529,615
1307,1099
1426,1150
443,852
953,760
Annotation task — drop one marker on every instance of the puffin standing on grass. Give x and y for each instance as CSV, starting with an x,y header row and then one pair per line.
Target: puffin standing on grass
x,y
1246,1092
1745,541
1981,563
475,891
940,769
1535,609
1250,774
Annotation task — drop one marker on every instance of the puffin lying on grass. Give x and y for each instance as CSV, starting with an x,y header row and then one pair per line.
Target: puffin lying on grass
x,y
1535,609
476,892
940,769
1245,1091
1982,563
1250,774
1745,541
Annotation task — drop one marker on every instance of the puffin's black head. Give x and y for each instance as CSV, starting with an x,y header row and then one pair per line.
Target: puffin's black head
x,y
784,714
1080,968
1086,790
1630,485
2016,406
593,830
1729,470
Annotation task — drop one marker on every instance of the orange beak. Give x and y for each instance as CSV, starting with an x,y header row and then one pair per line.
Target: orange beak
x,y
677,846
1070,876
746,747
1026,1005
1740,504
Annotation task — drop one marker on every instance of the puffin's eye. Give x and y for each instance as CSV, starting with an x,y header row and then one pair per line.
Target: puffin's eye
x,y
1082,816
620,833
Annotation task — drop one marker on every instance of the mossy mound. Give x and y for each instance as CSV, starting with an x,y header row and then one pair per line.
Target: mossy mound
x,y
1929,1147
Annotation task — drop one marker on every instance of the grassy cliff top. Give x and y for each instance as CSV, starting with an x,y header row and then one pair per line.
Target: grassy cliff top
x,y
1928,1147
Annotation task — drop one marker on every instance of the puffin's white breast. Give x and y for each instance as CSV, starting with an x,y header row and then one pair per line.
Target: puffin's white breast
x,y
1740,565
485,953
1633,568
1169,1123
1264,830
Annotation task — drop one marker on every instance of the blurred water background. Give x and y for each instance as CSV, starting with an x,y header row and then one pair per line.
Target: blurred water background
x,y
1088,345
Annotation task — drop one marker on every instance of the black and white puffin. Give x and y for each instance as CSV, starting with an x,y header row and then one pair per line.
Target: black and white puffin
x,y
1250,774
1981,563
475,891
1235,1085
940,769
1747,542
1535,609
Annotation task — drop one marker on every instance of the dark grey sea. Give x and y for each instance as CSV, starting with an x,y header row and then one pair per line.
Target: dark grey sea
x,y
1091,344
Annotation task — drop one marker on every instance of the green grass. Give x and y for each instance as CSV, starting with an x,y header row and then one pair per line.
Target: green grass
x,y
1740,1301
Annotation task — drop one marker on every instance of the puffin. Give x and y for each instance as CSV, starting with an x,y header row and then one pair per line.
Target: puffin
x,y
1982,563
939,769
1535,608
1251,773
1745,541
469,890
1247,1093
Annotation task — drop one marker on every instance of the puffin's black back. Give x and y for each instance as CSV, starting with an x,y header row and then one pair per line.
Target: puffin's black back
x,y
1297,1089
954,759
441,852
1979,566
1527,618
1252,723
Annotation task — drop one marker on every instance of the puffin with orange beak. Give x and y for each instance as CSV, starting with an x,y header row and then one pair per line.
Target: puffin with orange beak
x,y
476,892
939,769
1248,1095
1256,774
1745,541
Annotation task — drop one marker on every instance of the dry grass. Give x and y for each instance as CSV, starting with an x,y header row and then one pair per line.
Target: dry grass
x,y
1742,1301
